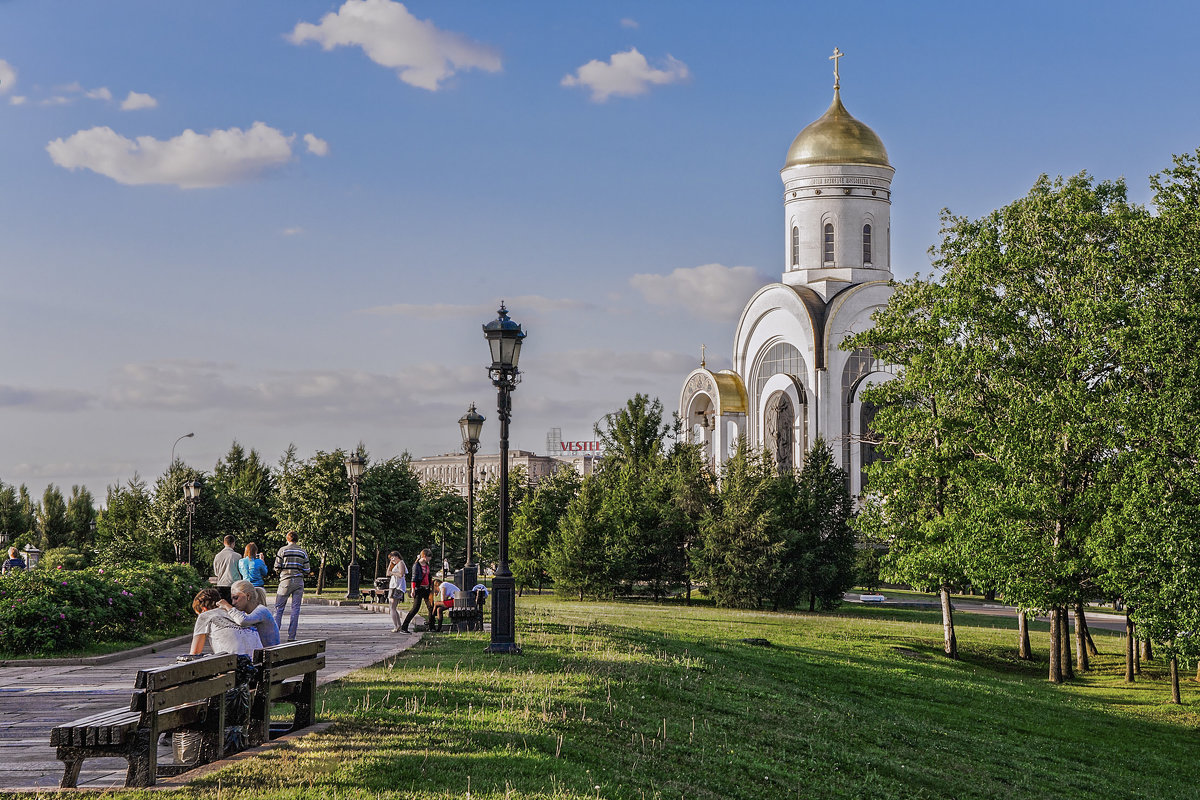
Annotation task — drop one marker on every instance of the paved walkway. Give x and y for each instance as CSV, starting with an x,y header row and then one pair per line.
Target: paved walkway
x,y
33,699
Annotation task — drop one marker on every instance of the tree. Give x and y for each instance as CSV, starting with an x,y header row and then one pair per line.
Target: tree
x,y
241,488
536,526
580,560
487,512
743,537
443,516
824,550
52,518
391,510
1004,413
314,501
119,525
81,514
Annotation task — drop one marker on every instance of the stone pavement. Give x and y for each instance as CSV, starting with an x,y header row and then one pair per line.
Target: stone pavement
x,y
33,699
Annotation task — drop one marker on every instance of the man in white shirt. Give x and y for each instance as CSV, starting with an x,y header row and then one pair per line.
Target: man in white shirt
x,y
225,568
444,592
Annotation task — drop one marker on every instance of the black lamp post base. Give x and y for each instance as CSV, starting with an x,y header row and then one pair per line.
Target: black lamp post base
x,y
504,615
352,574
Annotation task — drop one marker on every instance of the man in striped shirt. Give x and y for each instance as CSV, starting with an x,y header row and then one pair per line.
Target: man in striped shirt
x,y
291,563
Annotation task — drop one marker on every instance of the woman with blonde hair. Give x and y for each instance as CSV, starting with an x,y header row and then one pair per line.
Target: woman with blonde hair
x,y
397,585
215,628
249,610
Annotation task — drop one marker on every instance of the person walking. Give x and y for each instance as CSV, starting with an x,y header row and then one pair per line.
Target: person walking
x,y
291,563
397,585
252,568
225,567
422,579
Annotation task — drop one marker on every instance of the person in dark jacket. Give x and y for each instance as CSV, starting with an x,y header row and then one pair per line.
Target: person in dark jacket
x,y
420,585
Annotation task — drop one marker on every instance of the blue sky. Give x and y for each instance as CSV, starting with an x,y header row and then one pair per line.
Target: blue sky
x,y
285,221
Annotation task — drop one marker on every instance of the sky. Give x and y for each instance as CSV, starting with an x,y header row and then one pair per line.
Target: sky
x,y
285,222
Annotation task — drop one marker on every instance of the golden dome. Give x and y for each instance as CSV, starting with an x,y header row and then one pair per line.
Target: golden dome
x,y
837,138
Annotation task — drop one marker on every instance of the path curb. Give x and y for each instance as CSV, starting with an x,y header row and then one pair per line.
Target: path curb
x,y
107,658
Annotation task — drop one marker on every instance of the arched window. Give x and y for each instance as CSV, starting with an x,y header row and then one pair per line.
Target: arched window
x,y
866,244
795,246
828,242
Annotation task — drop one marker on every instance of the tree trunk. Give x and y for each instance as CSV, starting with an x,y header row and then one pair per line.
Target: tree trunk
x,y
1130,650
812,603
1087,633
949,640
1147,649
1175,697
1198,671
1056,675
1024,651
989,596
321,575
1081,653
1137,653
1064,642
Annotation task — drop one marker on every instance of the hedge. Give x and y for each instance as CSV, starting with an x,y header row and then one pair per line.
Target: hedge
x,y
48,611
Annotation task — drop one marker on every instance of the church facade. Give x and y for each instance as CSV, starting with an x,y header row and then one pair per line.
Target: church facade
x,y
791,382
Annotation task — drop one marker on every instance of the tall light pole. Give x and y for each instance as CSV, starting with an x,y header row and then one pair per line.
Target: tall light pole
x,y
191,493
177,441
504,337
354,470
471,425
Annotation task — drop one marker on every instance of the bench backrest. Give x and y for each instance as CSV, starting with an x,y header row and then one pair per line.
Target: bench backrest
x,y
285,661
192,681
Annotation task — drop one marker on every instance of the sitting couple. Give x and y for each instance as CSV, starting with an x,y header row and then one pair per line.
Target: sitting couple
x,y
240,627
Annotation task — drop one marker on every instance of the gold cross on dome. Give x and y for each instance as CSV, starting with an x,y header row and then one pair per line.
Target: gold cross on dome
x,y
702,356
837,80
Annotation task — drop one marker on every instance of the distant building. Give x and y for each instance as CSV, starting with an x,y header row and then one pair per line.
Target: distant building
x,y
451,469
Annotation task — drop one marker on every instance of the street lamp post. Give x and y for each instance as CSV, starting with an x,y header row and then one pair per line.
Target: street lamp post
x,y
354,470
191,493
504,337
471,425
177,441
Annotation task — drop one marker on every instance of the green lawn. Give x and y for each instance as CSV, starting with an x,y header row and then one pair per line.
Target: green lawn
x,y
642,701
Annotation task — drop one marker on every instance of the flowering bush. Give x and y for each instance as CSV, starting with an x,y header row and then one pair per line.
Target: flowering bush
x,y
43,612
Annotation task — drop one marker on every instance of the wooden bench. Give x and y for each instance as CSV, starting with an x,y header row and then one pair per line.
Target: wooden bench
x,y
287,674
182,696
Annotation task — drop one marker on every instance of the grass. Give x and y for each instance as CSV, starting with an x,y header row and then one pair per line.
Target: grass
x,y
639,701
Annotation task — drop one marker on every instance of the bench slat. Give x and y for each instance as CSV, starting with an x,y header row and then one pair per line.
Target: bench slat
x,y
291,670
188,692
200,668
270,656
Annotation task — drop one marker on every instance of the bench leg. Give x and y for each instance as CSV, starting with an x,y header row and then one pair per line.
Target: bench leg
x,y
212,735
259,724
71,766
143,759
306,703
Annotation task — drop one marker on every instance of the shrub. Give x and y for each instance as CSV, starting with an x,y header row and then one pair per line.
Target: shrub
x,y
48,611
66,557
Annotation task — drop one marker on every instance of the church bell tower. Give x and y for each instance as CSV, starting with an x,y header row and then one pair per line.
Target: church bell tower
x,y
837,184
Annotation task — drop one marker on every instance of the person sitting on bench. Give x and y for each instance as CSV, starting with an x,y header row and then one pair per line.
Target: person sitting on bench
x,y
214,627
444,593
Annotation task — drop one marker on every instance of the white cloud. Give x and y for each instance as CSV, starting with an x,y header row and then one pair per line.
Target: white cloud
x,y
625,74
99,94
421,54
43,399
56,100
136,100
318,147
518,305
710,290
190,160
629,23
293,231
277,395
8,77
17,100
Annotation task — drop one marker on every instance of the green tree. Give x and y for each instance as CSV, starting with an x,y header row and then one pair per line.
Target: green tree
x,y
743,538
119,525
52,518
487,512
536,526
818,563
580,560
314,501
81,514
241,488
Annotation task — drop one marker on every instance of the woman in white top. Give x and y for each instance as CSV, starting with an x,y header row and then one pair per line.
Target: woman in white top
x,y
397,585
249,609
214,627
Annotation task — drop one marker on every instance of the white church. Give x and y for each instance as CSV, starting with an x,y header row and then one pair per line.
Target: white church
x,y
790,381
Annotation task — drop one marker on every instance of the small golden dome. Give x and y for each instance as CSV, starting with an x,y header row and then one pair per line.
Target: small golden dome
x,y
837,138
